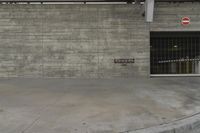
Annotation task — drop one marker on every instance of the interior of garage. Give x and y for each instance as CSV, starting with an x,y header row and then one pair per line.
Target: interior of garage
x,y
175,52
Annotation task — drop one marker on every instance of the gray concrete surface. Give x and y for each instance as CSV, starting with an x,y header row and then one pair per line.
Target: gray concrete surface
x,y
190,124
83,40
97,106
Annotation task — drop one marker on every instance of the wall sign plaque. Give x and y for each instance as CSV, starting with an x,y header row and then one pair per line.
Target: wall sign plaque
x,y
124,61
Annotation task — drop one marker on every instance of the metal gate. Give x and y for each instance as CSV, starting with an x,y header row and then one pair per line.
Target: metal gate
x,y
175,53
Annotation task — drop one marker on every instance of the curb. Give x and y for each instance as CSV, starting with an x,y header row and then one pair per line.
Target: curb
x,y
190,124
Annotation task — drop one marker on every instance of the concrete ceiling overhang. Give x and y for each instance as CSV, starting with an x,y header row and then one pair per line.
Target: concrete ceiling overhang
x,y
128,1
148,8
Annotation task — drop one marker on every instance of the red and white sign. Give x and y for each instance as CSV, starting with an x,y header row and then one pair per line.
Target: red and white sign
x,y
185,21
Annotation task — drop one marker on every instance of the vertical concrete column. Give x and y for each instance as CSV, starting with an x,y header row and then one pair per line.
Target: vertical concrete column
x,y
173,68
149,10
180,67
187,67
197,67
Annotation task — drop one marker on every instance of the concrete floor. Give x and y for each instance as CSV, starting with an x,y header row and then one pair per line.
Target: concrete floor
x,y
94,106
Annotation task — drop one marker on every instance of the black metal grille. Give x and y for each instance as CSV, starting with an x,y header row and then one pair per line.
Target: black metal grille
x,y
175,52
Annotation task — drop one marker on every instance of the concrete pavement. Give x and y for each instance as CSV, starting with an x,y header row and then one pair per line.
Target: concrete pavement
x,y
95,105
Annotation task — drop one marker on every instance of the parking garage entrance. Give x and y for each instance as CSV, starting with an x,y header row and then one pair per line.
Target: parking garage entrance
x,y
175,53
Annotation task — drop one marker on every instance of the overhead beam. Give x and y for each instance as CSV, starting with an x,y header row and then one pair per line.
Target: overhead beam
x,y
137,1
176,0
149,10
128,1
67,0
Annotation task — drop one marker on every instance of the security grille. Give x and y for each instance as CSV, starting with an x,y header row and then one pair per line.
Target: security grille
x,y
175,52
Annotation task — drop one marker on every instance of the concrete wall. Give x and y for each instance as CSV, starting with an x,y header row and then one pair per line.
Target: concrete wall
x,y
168,16
82,40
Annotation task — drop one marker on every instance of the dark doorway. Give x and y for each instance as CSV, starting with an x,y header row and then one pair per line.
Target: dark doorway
x,y
175,52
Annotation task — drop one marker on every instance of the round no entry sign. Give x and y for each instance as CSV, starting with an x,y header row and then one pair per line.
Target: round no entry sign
x,y
185,21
